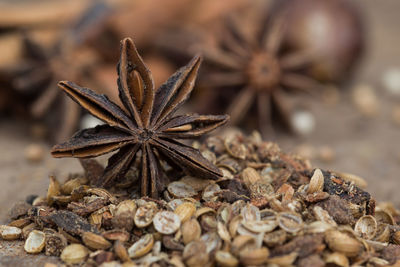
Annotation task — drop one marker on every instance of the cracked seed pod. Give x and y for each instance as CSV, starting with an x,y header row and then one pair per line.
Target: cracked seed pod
x,y
35,242
331,28
95,241
366,227
74,254
343,243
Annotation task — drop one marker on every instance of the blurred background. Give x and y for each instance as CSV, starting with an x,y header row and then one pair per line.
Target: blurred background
x,y
319,77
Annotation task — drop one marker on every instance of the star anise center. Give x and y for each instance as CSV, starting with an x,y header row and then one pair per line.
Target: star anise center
x,y
263,71
145,135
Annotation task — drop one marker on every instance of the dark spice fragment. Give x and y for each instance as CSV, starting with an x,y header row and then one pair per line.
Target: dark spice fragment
x,y
303,245
338,209
19,209
71,223
84,209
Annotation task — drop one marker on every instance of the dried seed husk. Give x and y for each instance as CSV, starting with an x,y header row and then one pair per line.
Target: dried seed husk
x,y
242,242
117,234
323,216
141,247
382,216
197,184
250,213
318,227
358,181
124,215
185,211
195,254
27,229
181,190
191,231
223,232
250,176
94,241
383,233
366,227
337,258
283,260
166,222
234,225
70,185
375,261
343,243
35,242
316,182
61,200
396,237
204,210
275,238
254,256
264,226
210,191
212,241
209,155
20,223
53,190
121,251
225,259
74,254
10,232
144,215
235,149
290,222
96,218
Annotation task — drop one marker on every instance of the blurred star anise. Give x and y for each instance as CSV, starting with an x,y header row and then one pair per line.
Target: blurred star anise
x,y
249,70
145,123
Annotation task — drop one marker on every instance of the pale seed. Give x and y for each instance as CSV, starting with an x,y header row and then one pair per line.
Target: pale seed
x,y
35,242
225,259
181,189
343,243
185,211
141,247
74,254
145,214
250,176
316,182
254,257
366,227
166,222
191,231
95,241
121,251
290,222
10,232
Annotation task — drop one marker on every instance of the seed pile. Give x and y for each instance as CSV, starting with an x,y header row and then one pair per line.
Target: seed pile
x,y
270,209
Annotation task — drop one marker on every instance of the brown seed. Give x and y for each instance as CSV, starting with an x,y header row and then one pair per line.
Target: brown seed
x,y
283,260
191,231
195,254
382,216
124,215
366,227
338,259
254,256
74,254
343,243
225,259
290,222
117,234
396,237
316,182
70,185
242,242
275,238
185,211
35,242
95,241
55,243
121,251
250,176
209,193
10,232
197,184
20,223
53,190
141,247
166,222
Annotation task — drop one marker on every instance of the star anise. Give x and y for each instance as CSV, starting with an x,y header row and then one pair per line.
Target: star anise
x,y
249,69
145,123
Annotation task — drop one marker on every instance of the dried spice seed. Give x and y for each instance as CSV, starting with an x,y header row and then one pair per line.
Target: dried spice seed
x,y
74,254
149,125
10,232
166,222
94,241
343,243
141,247
124,215
35,242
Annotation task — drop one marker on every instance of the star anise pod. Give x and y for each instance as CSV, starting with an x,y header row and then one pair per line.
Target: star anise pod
x,y
145,123
249,69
